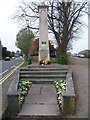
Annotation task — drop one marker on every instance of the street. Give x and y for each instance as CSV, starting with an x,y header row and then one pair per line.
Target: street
x,y
7,66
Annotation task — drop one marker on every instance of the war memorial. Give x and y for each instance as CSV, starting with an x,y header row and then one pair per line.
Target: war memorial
x,y
42,92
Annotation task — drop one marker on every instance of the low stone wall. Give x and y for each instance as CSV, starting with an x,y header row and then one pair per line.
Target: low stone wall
x,y
69,95
14,96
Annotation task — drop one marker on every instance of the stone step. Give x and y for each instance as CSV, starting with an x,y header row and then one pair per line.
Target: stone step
x,y
38,118
43,72
43,69
42,81
42,76
47,66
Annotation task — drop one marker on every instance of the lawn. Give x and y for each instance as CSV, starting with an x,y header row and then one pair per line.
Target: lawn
x,y
25,63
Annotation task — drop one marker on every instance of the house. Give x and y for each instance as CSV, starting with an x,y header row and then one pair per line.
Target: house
x,y
35,47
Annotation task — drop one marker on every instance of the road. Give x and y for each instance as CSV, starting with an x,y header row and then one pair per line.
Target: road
x,y
7,66
78,61
6,77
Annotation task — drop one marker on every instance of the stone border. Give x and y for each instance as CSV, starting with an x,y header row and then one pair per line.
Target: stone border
x,y
14,96
69,95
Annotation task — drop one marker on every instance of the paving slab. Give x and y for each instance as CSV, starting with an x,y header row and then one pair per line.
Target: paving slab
x,y
39,110
43,89
41,100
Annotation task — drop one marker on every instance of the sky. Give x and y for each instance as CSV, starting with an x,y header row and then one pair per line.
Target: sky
x,y
9,28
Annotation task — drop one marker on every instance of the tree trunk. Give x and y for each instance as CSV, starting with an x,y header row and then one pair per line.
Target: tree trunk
x,y
61,55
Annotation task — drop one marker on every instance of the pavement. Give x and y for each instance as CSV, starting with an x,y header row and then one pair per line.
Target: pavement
x,y
80,76
41,101
5,86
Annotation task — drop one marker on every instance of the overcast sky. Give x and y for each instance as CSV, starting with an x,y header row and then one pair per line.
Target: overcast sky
x,y
9,29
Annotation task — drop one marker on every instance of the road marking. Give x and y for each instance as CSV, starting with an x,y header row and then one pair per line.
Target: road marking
x,y
10,73
4,72
13,66
18,63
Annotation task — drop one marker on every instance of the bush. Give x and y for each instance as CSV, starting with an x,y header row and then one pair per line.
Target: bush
x,y
48,61
34,54
85,55
53,60
63,59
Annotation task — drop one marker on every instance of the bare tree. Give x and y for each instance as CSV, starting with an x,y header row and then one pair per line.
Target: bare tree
x,y
63,19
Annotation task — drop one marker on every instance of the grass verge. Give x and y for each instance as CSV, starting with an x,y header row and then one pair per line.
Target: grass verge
x,y
25,63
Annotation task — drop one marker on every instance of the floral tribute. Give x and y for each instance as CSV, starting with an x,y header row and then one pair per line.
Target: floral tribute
x,y
24,86
60,86
41,62
48,62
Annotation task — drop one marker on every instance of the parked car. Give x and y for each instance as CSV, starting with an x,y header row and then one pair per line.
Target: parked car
x,y
81,55
21,57
13,58
53,55
7,59
75,55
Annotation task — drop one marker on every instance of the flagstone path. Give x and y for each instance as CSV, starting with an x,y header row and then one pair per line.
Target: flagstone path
x,y
41,101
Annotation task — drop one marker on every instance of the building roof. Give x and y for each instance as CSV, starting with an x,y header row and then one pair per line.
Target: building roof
x,y
35,46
